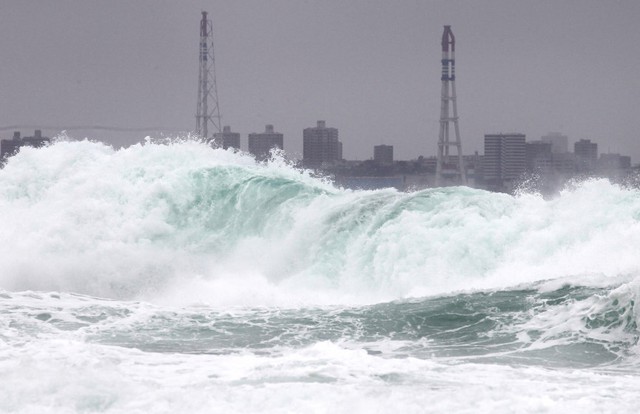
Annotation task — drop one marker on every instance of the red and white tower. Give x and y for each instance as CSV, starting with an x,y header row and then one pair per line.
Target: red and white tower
x,y
449,170
208,111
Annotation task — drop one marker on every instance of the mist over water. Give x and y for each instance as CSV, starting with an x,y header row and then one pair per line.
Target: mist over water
x,y
205,279
213,226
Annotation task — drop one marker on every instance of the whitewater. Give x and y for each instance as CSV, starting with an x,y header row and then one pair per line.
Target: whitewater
x,y
173,277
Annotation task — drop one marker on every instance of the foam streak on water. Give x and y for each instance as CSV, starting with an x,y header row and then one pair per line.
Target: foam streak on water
x,y
177,278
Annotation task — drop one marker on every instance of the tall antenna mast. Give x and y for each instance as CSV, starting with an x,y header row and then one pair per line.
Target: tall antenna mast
x,y
444,165
208,111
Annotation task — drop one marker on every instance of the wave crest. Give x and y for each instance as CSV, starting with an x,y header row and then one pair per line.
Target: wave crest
x,y
183,220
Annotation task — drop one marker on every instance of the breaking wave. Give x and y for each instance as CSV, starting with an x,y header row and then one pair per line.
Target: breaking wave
x,y
184,223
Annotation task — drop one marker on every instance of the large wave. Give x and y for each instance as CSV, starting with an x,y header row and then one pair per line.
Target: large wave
x,y
185,222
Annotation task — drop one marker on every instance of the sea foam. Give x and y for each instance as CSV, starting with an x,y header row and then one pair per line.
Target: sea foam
x,y
180,222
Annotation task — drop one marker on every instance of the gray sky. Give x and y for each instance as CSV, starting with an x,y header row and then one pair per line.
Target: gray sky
x,y
369,68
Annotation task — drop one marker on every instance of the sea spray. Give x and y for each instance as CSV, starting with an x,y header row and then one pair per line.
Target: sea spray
x,y
182,221
173,277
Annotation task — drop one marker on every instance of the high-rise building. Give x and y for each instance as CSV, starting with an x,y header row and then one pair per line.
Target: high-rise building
x,y
261,144
586,154
383,154
564,163
539,156
9,147
504,159
614,162
320,145
227,139
559,143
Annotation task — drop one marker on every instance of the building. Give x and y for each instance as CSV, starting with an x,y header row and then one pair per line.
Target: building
x,y
261,144
539,156
320,146
12,146
586,155
559,143
504,160
564,163
227,139
608,162
383,154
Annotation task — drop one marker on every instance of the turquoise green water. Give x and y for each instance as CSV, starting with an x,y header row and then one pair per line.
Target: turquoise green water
x,y
174,277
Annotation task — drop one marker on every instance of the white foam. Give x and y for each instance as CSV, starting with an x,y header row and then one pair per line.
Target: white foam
x,y
182,223
66,376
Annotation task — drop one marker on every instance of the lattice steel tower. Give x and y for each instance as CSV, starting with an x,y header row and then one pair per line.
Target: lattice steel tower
x,y
452,170
208,111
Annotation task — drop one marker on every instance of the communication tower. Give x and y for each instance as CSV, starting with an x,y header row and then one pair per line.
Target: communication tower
x,y
208,111
448,169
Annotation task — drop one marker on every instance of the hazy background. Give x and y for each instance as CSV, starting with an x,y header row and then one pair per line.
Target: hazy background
x,y
369,68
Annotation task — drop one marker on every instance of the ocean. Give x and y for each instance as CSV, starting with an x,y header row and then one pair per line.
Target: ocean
x,y
170,277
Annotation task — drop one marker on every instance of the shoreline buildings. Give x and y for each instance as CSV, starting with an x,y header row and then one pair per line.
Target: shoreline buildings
x,y
586,153
261,144
508,159
559,143
504,159
9,147
320,146
383,154
227,139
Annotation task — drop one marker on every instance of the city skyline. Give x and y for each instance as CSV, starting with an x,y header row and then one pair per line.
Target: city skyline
x,y
371,69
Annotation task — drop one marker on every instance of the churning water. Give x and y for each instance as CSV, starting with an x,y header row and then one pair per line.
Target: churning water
x,y
168,278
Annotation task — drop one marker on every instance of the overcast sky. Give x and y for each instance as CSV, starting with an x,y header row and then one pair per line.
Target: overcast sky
x,y
370,68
